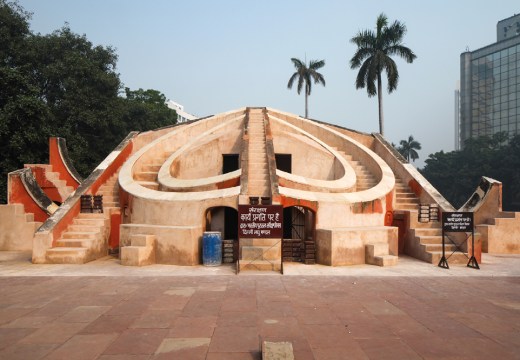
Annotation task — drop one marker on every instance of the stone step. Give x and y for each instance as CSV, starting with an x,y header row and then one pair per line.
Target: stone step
x,y
249,253
407,206
455,258
81,234
108,192
409,200
53,176
75,243
149,184
151,168
142,240
108,198
145,176
260,242
90,216
449,248
95,222
83,228
406,195
428,232
260,265
110,204
66,255
385,260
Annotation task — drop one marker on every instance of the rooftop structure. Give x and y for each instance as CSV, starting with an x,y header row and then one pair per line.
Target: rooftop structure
x,y
182,116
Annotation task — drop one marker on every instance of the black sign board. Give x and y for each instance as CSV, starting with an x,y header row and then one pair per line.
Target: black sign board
x,y
457,221
260,221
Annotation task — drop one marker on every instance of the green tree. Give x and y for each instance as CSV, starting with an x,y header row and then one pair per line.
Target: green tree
x,y
145,110
373,57
61,84
306,75
408,148
456,174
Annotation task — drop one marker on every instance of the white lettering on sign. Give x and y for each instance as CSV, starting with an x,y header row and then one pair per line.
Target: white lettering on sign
x,y
260,221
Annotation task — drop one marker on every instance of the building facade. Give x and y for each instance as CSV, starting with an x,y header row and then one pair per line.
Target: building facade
x,y
182,116
490,85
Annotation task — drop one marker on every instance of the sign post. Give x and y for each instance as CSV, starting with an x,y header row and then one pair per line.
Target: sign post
x,y
458,222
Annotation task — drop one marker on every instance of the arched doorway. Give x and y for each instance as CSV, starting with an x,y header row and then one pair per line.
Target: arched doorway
x,y
225,220
299,235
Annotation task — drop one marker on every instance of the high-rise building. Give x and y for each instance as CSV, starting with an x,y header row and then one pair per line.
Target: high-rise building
x,y
490,85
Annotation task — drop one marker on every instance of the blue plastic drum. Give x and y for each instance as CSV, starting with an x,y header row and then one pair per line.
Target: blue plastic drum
x,y
212,248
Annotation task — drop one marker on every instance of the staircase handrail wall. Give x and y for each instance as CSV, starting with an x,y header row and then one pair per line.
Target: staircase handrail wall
x,y
61,162
56,224
422,188
29,194
271,158
486,200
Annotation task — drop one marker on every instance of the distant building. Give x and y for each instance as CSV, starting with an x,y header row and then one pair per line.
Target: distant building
x,y
182,116
457,117
490,85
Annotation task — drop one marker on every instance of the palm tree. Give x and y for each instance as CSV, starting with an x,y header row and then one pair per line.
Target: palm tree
x,y
408,147
373,57
306,74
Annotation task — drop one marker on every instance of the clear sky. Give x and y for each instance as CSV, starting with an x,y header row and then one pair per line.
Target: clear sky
x,y
215,56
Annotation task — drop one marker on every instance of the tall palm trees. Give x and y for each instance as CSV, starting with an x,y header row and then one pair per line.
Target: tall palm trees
x,y
408,147
306,74
373,57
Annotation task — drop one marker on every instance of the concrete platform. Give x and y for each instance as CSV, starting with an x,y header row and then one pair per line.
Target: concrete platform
x,y
414,310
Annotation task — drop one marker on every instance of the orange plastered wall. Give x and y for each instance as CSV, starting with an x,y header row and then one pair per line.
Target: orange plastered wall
x,y
18,195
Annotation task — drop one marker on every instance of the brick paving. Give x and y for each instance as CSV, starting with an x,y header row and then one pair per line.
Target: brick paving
x,y
227,317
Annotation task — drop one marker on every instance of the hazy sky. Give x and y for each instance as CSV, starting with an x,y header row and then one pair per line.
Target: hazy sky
x,y
215,56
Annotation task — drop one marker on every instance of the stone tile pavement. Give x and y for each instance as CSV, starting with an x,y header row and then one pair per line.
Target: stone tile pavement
x,y
105,311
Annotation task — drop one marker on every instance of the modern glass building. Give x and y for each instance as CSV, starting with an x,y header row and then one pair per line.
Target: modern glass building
x,y
490,85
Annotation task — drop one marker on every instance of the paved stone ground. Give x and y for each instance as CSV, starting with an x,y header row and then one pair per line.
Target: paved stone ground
x,y
106,311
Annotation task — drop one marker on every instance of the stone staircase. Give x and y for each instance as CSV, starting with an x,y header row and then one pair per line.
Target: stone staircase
x,y
141,251
424,238
83,241
364,178
86,239
110,192
50,182
259,183
502,229
426,244
147,177
17,227
377,254
405,197
260,254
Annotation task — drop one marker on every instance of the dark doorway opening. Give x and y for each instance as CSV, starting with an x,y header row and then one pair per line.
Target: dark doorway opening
x,y
230,163
231,223
284,162
225,220
298,235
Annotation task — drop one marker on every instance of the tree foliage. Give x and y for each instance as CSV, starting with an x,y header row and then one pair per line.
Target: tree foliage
x,y
306,74
373,57
456,174
60,84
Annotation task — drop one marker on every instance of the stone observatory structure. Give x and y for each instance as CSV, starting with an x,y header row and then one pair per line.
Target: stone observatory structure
x,y
278,188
